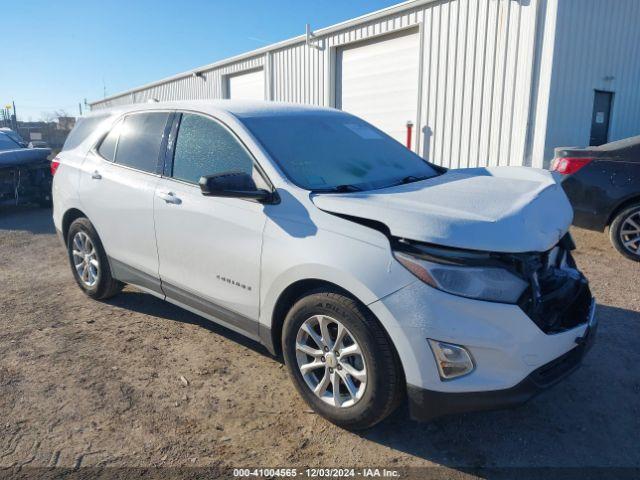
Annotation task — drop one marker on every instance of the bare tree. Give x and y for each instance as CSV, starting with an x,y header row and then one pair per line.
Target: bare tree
x,y
53,116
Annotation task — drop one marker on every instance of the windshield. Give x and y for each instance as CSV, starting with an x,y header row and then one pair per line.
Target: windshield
x,y
13,136
6,143
325,151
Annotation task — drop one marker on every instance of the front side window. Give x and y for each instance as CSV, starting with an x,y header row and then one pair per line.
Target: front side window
x,y
140,140
205,147
327,151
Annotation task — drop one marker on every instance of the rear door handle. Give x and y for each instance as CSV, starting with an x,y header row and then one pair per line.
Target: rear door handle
x,y
169,197
96,175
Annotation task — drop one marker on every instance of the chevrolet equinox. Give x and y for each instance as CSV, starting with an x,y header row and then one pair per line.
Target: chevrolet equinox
x,y
376,275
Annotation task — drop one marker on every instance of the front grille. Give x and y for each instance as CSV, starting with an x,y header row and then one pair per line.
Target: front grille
x,y
558,299
578,311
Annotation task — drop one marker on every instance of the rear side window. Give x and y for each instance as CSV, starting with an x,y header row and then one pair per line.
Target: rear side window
x,y
205,147
108,146
84,127
140,139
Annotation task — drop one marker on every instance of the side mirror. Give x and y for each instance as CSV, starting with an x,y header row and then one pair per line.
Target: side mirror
x,y
232,184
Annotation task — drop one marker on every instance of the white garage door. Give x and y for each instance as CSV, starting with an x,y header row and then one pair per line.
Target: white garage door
x,y
246,86
378,81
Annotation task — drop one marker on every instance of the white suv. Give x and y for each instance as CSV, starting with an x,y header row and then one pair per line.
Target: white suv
x,y
375,274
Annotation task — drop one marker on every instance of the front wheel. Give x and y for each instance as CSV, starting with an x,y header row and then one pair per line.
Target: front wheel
x,y
341,360
625,232
89,262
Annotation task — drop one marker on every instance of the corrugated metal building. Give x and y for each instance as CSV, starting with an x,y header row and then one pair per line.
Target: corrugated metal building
x,y
485,82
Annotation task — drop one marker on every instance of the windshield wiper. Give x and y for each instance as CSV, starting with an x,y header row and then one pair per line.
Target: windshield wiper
x,y
414,178
410,179
341,189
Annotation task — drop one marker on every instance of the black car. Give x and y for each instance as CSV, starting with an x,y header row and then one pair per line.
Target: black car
x,y
603,185
25,173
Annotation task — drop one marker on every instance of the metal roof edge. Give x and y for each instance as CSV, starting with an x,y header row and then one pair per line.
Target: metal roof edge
x,y
367,17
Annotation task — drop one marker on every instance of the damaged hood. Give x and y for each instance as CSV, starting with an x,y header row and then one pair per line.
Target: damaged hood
x,y
501,209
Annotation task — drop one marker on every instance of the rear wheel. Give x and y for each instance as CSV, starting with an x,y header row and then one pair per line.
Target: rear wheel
x,y
89,262
341,360
625,232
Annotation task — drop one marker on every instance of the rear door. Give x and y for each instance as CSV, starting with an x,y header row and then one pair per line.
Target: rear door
x,y
209,247
117,187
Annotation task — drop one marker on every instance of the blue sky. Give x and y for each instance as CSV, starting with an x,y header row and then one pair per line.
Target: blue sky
x,y
57,53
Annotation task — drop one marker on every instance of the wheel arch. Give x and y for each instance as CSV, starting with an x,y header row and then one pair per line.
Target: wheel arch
x,y
295,291
622,206
68,218
287,298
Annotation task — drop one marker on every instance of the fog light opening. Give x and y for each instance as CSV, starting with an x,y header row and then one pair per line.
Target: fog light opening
x,y
453,361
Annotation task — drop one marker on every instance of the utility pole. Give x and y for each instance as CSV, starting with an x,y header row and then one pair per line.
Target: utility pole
x,y
15,117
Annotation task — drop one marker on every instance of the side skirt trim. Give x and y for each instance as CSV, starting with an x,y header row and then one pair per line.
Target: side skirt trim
x,y
127,274
189,301
212,311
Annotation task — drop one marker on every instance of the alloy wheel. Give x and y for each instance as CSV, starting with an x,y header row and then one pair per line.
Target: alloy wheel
x,y
85,259
331,361
630,233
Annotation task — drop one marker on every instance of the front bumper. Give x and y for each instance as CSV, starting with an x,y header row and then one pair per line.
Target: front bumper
x,y
425,405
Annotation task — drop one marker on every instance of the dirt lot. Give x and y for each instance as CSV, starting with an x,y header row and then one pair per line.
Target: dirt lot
x,y
89,383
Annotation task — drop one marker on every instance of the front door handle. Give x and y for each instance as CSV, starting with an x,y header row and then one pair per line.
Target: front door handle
x,y
169,197
96,175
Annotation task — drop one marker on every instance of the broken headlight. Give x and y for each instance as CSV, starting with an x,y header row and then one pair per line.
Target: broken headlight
x,y
465,276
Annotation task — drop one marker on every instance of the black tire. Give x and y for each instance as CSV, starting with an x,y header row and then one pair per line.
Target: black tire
x,y
615,231
385,384
105,286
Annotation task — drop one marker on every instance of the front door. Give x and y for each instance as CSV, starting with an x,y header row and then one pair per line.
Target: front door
x,y
209,248
600,118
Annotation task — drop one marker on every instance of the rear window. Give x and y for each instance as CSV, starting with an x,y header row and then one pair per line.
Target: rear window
x,y
84,127
140,140
108,146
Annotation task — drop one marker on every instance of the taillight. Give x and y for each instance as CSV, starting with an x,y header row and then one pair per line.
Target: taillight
x,y
55,163
569,165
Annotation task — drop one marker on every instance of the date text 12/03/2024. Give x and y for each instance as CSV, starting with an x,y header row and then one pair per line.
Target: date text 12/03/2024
x,y
316,472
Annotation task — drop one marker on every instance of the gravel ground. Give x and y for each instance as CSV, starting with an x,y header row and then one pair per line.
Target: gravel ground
x,y
139,382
